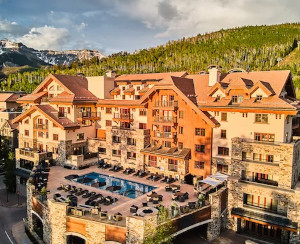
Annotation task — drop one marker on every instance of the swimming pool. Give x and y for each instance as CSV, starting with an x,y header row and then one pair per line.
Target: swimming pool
x,y
128,188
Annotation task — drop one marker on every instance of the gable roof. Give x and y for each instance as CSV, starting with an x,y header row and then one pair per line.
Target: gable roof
x,y
73,85
51,113
34,98
271,82
186,92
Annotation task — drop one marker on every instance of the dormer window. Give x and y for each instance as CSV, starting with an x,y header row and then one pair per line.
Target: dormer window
x,y
237,99
218,98
258,98
138,88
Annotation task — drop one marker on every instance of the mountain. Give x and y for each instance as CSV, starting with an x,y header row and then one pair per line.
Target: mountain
x,y
16,54
249,47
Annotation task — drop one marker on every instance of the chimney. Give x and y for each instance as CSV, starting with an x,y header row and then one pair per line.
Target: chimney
x,y
214,75
110,73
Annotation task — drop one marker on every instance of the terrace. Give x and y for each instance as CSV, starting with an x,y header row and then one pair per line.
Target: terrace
x,y
162,195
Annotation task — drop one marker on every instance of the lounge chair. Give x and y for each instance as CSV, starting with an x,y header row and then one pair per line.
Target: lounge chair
x,y
192,205
181,198
186,195
168,188
117,217
145,204
86,195
133,209
150,177
165,179
137,173
103,215
149,198
160,198
56,195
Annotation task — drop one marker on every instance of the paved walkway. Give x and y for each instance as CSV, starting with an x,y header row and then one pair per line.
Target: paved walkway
x,y
12,198
18,231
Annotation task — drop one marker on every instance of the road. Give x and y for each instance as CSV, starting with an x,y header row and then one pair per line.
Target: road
x,y
9,217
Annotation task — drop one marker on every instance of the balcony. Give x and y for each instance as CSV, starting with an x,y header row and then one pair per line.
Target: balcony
x,y
32,155
166,135
166,104
165,119
261,181
88,116
123,117
40,127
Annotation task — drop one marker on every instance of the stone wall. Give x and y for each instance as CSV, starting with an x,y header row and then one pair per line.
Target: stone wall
x,y
64,150
138,228
214,227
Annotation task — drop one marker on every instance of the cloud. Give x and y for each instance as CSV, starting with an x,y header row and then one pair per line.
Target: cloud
x,y
12,28
46,37
81,26
177,18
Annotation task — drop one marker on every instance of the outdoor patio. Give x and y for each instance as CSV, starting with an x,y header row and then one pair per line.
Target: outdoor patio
x,y
57,177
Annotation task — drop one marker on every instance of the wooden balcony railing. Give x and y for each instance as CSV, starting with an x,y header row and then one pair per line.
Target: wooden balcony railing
x,y
166,104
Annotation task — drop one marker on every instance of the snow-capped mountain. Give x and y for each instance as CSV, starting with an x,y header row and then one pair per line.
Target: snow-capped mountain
x,y
17,54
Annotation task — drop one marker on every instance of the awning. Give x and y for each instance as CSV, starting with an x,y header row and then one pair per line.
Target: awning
x,y
211,181
220,176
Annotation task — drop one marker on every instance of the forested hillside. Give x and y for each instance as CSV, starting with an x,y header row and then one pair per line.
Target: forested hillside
x,y
250,48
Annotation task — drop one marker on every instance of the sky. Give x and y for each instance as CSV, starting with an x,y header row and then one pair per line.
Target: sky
x,y
111,26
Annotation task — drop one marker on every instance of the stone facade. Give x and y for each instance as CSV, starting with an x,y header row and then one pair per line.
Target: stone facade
x,y
284,168
64,150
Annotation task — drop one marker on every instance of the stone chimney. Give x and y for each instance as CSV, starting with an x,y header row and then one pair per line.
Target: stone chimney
x,y
214,75
110,73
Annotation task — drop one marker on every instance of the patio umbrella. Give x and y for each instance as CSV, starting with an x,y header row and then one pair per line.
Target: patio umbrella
x,y
113,188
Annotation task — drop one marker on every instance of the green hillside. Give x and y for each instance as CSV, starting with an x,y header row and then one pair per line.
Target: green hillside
x,y
250,48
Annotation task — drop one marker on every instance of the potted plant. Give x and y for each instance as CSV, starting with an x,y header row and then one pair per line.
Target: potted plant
x,y
201,200
43,194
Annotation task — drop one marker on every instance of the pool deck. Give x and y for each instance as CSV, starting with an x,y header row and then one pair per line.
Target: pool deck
x,y
57,174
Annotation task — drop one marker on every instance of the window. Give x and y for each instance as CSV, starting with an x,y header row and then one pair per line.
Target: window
x,y
200,148
199,165
142,126
116,139
108,110
55,137
131,155
258,98
123,97
26,132
224,151
216,113
244,156
80,136
116,153
131,141
263,157
278,116
199,132
138,88
234,99
240,98
137,97
180,130
69,110
217,98
245,115
102,150
40,134
143,112
261,118
47,135
223,116
108,123
223,134
181,114
172,165
123,88
152,161
264,137
180,145
167,144
260,201
222,168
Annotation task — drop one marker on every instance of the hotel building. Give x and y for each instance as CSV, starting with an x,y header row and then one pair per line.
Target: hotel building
x,y
244,124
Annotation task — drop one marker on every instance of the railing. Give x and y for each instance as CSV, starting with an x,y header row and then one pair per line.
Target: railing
x,y
41,126
262,142
262,181
88,114
90,155
165,119
123,116
62,114
26,165
30,153
152,163
160,103
167,135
